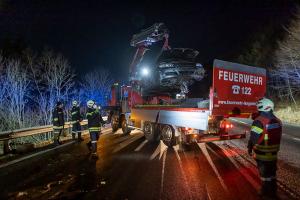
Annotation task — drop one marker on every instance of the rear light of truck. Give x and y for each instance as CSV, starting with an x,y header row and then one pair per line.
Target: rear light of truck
x,y
229,126
226,124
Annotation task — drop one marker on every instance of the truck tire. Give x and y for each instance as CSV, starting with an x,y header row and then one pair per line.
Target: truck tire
x,y
115,123
149,131
167,133
124,125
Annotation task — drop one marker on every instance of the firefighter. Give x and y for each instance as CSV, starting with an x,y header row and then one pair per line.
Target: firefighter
x,y
264,141
94,124
76,118
58,121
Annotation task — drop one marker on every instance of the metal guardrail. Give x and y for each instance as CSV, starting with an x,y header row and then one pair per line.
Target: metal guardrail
x,y
32,131
33,136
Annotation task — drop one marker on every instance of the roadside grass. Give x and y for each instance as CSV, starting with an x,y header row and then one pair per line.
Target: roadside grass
x,y
288,112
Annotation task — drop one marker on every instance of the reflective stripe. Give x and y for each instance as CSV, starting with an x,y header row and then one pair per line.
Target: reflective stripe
x,y
74,113
87,114
266,137
267,179
256,129
267,149
74,122
266,157
272,126
94,129
55,119
93,141
267,146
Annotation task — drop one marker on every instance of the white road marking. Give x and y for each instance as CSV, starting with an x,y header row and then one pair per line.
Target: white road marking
x,y
204,150
161,148
163,174
119,132
106,131
207,193
127,142
228,153
240,122
213,151
284,134
141,145
176,148
297,139
135,131
245,158
121,139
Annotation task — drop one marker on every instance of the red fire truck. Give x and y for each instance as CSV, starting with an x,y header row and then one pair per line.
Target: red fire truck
x,y
234,92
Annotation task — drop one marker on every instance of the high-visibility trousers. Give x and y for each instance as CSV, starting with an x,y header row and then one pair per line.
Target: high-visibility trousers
x,y
94,135
267,172
57,130
76,128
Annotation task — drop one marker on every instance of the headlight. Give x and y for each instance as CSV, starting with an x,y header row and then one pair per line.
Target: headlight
x,y
199,65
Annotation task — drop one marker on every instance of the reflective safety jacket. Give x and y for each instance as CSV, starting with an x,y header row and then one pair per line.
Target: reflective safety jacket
x,y
94,119
265,136
58,118
75,114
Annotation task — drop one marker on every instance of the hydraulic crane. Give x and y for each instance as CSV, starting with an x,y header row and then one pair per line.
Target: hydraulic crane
x,y
234,92
157,32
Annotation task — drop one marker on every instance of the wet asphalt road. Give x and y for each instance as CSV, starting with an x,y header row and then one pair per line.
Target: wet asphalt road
x,y
131,168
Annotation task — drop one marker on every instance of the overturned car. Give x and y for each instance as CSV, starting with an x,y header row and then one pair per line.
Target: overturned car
x,y
175,70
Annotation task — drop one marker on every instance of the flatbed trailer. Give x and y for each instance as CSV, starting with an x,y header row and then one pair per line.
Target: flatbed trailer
x,y
235,90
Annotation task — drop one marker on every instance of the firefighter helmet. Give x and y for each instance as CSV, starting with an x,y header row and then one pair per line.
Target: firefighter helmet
x,y
90,103
75,103
265,105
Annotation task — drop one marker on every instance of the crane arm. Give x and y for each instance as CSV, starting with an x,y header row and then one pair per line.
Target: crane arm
x,y
142,40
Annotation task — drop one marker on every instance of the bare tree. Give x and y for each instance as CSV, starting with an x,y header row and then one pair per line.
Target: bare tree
x,y
15,92
3,95
30,88
285,78
53,80
96,86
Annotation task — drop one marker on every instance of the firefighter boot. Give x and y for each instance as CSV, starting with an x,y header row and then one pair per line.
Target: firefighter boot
x,y
56,138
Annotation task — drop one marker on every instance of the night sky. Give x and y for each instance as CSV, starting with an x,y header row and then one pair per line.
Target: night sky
x,y
96,34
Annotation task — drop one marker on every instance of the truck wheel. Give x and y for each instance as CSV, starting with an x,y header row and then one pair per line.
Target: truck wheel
x,y
168,135
125,128
115,123
149,131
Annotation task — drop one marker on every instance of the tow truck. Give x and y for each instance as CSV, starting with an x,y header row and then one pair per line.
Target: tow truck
x,y
177,119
